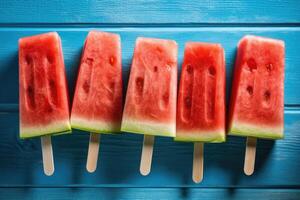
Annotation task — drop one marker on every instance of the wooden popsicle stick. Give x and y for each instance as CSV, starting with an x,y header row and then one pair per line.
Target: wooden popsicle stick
x,y
47,155
92,158
198,162
147,152
250,156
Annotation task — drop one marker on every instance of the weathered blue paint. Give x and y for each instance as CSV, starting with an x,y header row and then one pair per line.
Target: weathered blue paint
x,y
277,173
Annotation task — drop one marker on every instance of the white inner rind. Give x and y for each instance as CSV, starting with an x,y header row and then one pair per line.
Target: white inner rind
x,y
95,126
200,136
149,127
39,130
259,131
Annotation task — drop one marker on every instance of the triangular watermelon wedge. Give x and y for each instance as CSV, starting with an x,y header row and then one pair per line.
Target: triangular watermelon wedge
x,y
257,102
150,106
201,98
97,104
44,108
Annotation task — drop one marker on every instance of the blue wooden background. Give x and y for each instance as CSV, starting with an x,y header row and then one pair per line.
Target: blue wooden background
x,y
277,174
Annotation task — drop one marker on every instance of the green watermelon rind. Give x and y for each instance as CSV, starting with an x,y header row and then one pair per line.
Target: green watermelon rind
x,y
95,126
196,136
149,128
250,130
38,131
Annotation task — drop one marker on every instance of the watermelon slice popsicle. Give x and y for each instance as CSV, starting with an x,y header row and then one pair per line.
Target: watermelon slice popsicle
x,y
256,109
201,99
97,104
150,106
44,108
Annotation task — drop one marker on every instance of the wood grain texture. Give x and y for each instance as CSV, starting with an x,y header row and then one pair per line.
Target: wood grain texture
x,y
93,152
73,39
147,152
148,193
198,162
155,11
250,154
47,155
171,166
277,166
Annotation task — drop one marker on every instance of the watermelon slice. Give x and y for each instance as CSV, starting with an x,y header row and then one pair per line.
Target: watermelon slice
x,y
97,104
44,105
150,106
201,98
257,92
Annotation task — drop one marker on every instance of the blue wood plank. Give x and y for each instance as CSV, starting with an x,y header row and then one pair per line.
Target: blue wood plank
x,y
278,162
147,193
156,11
117,177
73,39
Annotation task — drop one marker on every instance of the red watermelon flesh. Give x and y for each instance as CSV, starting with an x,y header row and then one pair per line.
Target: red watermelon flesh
x,y
257,103
150,106
97,104
43,97
201,98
